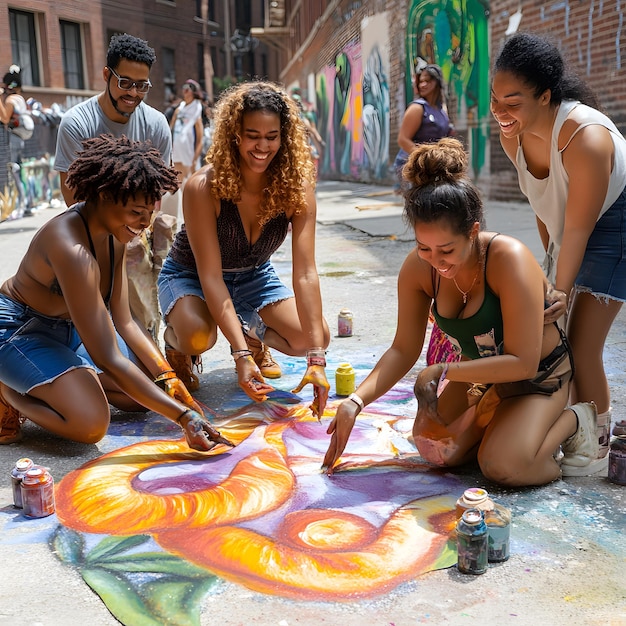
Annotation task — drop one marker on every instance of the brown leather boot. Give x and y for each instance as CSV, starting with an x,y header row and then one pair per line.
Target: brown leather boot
x,y
10,423
183,365
263,358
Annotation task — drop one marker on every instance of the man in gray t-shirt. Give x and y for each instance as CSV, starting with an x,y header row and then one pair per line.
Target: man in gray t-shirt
x,y
120,110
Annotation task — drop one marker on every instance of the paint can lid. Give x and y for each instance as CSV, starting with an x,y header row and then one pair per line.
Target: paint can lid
x,y
475,495
472,516
34,476
21,465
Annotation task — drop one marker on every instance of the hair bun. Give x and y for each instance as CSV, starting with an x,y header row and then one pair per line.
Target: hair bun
x,y
430,163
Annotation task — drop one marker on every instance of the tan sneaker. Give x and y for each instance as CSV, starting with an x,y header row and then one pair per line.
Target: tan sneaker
x,y
10,423
183,365
581,449
263,358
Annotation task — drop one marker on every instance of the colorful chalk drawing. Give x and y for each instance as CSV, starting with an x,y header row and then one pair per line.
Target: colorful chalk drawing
x,y
262,515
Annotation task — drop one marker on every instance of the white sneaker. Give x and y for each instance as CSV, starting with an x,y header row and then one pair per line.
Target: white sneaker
x,y
581,449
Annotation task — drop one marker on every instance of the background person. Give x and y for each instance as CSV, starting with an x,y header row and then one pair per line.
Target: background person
x,y
426,117
487,292
120,110
70,288
571,165
259,180
12,103
187,129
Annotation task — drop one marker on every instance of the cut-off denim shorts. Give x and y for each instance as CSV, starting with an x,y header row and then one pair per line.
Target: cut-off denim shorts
x,y
603,270
36,349
250,290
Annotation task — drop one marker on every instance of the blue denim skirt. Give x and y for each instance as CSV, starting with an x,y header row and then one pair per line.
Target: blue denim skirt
x,y
250,290
603,269
35,349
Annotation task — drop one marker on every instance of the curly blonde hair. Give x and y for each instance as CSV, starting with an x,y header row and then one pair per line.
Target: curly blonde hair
x,y
289,170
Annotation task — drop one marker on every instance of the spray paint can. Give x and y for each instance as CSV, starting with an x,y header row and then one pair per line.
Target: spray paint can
x,y
344,323
345,378
617,460
17,473
472,543
38,493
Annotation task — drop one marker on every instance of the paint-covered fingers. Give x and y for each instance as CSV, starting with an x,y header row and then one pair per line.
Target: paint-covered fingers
x,y
316,376
339,429
251,380
200,435
175,388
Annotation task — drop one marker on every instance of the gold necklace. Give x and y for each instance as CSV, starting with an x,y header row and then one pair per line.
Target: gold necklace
x,y
466,294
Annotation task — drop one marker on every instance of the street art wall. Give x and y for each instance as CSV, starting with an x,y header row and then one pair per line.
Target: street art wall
x,y
352,92
454,35
352,100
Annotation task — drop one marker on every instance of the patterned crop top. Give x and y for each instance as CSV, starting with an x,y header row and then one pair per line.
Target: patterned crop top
x,y
480,335
235,249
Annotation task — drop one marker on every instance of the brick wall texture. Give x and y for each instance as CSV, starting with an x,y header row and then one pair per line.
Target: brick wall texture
x,y
588,33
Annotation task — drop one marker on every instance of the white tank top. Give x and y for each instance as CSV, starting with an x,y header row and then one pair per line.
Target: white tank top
x,y
548,196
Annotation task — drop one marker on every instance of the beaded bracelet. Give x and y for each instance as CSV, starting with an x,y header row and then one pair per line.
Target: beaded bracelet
x,y
241,354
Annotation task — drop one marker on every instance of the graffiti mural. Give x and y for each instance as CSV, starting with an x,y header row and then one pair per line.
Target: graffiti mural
x,y
375,96
454,35
339,96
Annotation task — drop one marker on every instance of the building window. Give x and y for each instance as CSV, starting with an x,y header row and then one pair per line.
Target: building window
x,y
24,46
169,72
210,9
72,50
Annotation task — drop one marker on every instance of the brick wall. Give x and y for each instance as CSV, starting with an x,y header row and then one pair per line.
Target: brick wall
x,y
588,35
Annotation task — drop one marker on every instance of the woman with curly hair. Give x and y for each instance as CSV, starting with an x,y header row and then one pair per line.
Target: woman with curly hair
x,y
69,346
504,402
259,180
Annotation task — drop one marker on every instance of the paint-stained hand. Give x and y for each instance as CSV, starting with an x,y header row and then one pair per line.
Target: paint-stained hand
x,y
251,380
340,429
200,435
175,388
316,375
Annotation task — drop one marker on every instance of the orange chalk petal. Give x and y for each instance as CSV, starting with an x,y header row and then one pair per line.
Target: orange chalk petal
x,y
399,551
100,497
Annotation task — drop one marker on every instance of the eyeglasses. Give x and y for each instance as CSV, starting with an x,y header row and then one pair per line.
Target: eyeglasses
x,y
126,84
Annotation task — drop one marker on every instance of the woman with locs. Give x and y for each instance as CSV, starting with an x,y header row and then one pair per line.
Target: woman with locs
x,y
571,165
487,293
68,343
258,182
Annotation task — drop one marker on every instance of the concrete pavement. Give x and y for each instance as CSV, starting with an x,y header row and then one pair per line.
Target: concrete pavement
x,y
568,553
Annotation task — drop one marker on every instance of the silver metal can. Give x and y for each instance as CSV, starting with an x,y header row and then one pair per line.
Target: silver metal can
x,y
17,473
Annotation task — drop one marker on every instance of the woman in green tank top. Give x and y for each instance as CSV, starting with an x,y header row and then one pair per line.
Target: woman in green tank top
x,y
487,293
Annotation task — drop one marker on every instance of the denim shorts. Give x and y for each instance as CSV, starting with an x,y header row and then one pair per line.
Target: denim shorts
x,y
35,349
250,290
603,270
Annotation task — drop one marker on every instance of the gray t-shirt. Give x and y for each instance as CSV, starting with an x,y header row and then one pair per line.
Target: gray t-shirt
x,y
87,119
